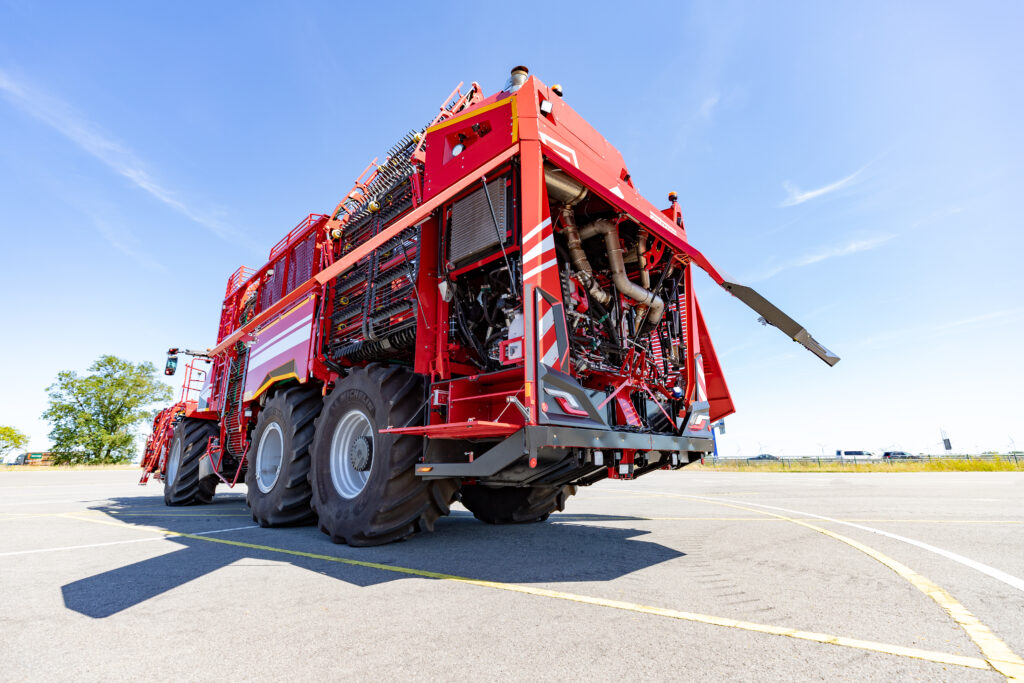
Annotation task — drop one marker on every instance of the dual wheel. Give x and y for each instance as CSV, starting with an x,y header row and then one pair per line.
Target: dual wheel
x,y
324,460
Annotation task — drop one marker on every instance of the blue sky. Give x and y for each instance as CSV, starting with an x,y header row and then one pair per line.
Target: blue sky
x,y
861,164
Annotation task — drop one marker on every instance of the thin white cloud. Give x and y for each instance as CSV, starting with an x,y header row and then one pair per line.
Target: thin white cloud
x,y
825,253
65,120
844,249
798,196
934,331
125,244
970,320
707,107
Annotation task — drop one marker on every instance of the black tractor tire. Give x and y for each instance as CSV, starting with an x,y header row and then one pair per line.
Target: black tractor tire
x,y
285,422
514,505
392,503
182,484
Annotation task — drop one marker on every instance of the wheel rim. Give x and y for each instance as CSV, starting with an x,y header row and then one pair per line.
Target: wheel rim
x,y
269,457
353,427
173,461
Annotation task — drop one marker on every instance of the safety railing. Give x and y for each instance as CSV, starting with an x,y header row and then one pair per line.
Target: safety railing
x,y
294,234
238,278
193,380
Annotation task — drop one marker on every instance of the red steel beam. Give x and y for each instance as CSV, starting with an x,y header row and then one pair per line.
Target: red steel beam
x,y
417,215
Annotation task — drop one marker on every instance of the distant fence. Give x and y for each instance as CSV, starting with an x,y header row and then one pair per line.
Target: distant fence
x,y
1015,459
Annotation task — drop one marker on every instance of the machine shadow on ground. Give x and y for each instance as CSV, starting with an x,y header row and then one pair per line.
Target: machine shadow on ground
x,y
547,552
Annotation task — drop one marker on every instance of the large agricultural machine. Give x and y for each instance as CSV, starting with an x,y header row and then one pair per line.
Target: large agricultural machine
x,y
493,314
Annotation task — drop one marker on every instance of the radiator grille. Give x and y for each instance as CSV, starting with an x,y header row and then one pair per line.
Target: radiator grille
x,y
472,231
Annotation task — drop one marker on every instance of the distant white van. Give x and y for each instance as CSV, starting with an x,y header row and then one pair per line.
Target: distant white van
x,y
857,455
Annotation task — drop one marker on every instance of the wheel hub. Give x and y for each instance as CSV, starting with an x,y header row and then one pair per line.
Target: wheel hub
x,y
352,453
360,453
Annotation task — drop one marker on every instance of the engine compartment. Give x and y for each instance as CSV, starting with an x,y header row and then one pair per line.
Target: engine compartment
x,y
622,299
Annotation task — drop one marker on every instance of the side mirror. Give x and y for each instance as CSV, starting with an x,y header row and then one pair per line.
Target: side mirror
x,y
172,365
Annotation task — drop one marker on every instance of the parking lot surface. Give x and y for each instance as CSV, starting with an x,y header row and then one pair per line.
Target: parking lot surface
x,y
691,574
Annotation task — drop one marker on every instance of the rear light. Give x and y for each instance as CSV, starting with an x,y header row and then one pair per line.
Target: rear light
x,y
566,401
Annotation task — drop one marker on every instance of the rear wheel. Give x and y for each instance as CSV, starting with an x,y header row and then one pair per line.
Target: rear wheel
x,y
365,491
278,474
514,505
182,484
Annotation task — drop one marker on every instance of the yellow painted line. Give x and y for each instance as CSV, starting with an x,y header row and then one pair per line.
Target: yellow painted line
x,y
884,648
507,102
10,516
120,525
996,652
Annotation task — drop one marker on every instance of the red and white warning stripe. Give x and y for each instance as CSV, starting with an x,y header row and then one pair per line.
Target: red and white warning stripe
x,y
538,250
548,337
702,385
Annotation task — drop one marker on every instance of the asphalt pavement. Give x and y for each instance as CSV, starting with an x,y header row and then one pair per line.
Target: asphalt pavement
x,y
679,575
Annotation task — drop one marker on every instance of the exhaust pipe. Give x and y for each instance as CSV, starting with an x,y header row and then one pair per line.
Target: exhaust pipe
x,y
562,188
644,297
584,273
568,192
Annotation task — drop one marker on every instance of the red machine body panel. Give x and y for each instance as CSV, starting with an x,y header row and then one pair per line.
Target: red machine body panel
x,y
504,256
280,350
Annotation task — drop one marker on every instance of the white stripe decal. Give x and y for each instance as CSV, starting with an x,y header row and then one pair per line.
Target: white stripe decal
x,y
538,269
546,321
664,223
280,346
563,150
546,244
530,235
616,191
282,333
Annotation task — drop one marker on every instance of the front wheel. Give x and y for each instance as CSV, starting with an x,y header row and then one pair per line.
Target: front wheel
x,y
278,475
182,483
365,490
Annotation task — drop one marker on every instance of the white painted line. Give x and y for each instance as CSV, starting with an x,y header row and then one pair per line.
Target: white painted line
x,y
80,547
60,502
162,537
996,574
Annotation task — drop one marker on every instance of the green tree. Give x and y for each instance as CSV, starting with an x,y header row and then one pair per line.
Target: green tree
x,y
94,417
11,439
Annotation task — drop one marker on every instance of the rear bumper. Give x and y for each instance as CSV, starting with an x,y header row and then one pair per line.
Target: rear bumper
x,y
548,446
